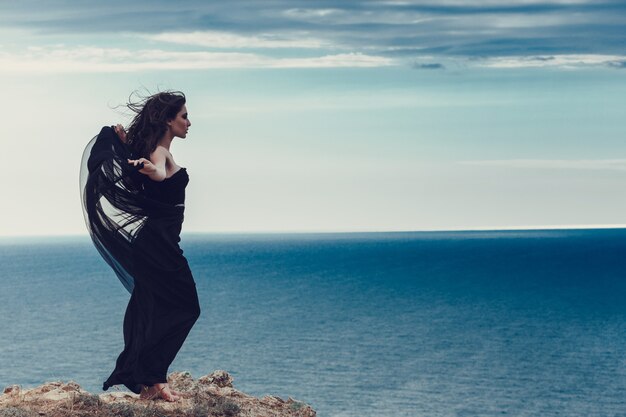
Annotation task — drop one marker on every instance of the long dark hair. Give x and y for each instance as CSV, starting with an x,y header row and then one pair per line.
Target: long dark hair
x,y
150,121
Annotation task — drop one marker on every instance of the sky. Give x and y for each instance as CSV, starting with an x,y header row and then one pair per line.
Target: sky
x,y
319,116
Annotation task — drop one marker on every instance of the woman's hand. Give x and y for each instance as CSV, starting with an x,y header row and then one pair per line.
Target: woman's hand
x,y
146,167
121,133
153,167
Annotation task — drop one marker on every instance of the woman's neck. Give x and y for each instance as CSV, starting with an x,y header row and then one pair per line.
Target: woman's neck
x,y
166,140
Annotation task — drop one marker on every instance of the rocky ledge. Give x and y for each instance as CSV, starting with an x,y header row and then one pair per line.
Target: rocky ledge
x,y
210,395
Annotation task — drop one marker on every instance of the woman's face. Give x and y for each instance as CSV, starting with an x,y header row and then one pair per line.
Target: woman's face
x,y
180,125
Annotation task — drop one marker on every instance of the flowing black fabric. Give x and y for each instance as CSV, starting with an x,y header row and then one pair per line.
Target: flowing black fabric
x,y
135,224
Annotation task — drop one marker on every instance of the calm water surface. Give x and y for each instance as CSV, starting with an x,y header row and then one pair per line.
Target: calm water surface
x,y
529,323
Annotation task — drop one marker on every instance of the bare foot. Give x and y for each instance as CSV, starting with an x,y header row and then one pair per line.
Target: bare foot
x,y
158,391
147,392
178,393
165,393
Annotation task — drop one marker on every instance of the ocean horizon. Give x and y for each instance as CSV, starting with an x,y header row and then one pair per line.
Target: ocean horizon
x,y
434,323
350,231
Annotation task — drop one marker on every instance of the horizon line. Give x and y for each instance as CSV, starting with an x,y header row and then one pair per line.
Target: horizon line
x,y
442,230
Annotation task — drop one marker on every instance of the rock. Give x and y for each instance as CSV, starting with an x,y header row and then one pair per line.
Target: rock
x,y
181,381
211,394
12,390
272,401
71,386
220,378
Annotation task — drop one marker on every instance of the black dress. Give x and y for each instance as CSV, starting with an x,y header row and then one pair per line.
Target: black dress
x,y
135,224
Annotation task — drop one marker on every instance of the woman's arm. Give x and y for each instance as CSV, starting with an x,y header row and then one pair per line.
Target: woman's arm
x,y
155,166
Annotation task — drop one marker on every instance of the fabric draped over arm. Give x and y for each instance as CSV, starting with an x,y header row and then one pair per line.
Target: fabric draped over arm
x,y
114,201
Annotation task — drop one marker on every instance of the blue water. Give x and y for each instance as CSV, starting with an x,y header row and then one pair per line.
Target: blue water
x,y
529,323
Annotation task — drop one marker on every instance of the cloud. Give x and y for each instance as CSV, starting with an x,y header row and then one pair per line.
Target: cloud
x,y
558,164
93,59
448,29
224,40
310,13
561,61
63,59
618,64
431,66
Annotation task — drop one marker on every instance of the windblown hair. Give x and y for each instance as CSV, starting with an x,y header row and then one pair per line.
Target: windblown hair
x,y
150,121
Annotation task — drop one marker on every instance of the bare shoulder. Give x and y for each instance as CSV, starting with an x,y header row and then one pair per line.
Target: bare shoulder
x,y
162,151
160,154
164,157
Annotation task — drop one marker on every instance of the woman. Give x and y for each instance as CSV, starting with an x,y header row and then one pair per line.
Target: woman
x,y
133,198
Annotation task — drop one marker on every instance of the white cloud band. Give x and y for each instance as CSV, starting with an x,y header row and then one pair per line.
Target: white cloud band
x,y
559,61
92,59
221,40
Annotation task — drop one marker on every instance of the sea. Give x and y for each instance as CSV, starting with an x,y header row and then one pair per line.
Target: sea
x,y
403,324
